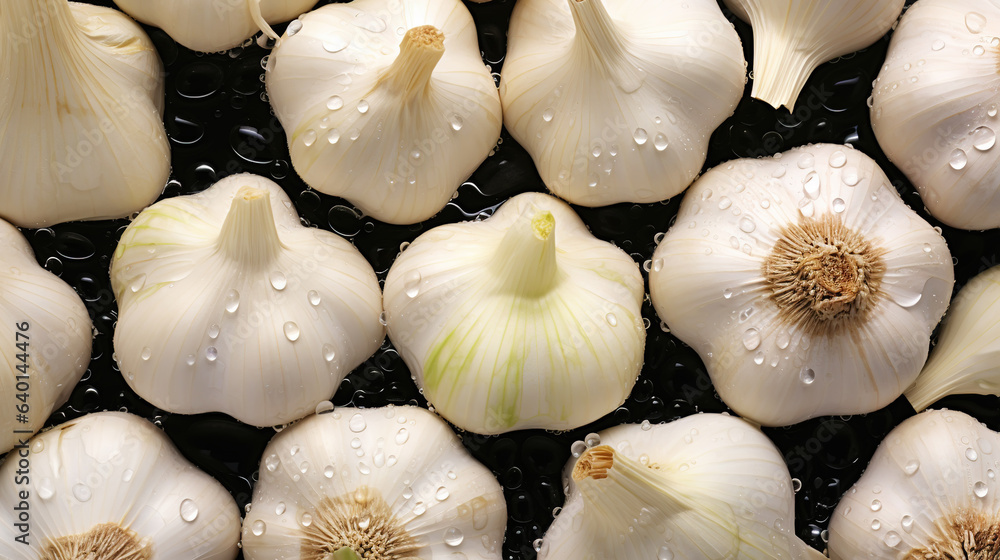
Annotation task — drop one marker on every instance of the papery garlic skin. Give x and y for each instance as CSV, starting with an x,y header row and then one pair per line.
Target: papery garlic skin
x,y
934,108
395,479
43,321
615,101
705,486
930,491
227,303
83,140
791,38
116,476
213,25
966,358
524,320
386,104
782,348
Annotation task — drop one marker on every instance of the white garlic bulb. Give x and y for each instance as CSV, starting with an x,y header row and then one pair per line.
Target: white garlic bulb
x,y
227,303
930,492
213,25
387,483
111,486
705,486
386,104
524,320
792,37
615,101
934,108
47,335
804,282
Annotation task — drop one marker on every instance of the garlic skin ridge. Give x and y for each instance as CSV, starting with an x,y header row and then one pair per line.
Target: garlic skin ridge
x,y
386,104
704,486
791,38
523,320
227,303
58,337
394,479
930,491
804,282
934,108
965,358
83,140
114,485
616,100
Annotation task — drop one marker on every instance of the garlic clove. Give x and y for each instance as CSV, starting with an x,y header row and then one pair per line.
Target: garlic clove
x,y
524,320
389,106
934,108
86,140
227,303
615,101
804,282
793,37
393,479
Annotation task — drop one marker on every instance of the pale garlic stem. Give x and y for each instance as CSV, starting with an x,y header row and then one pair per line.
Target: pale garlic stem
x,y
599,37
525,261
258,19
249,235
779,71
419,52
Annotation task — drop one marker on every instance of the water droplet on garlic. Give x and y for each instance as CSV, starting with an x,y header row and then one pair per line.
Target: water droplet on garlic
x,y
363,106
983,138
975,22
751,338
807,376
357,423
660,142
211,353
232,301
640,136
309,138
980,489
958,159
189,510
82,492
911,467
258,528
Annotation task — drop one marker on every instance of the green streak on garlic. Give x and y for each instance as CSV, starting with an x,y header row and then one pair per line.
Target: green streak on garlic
x,y
965,358
345,554
83,140
524,320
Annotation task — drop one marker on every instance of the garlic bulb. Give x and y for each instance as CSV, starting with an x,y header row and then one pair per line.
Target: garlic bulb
x,y
227,303
964,361
46,338
804,282
934,108
930,491
83,139
615,101
388,483
213,25
524,320
793,37
110,486
386,104
705,486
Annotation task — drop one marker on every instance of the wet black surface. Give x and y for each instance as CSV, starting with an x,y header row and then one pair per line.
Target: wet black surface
x,y
220,123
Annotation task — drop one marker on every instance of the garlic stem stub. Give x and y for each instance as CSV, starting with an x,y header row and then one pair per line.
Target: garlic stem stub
x,y
83,139
930,491
966,358
804,282
111,486
934,108
791,38
227,303
389,483
47,337
387,104
524,320
705,486
615,101
214,25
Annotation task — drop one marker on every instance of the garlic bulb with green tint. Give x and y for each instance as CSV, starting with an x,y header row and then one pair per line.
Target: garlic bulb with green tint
x,y
81,105
930,492
616,100
386,104
47,337
213,25
793,37
227,303
524,320
389,483
966,359
111,486
804,282
934,108
706,486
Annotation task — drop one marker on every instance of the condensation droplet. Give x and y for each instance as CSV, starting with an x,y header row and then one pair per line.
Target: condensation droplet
x,y
292,331
82,492
811,185
975,22
838,159
211,353
891,539
660,142
363,106
665,553
314,298
357,423
937,45
981,489
958,159
333,136
611,319
971,454
751,338
271,462
324,407
983,138
907,523
309,138
412,283
258,528
547,115
189,510
213,331
839,205
876,505
278,281
807,376
747,225
640,136
911,467
335,103
441,494
146,353
328,352
232,301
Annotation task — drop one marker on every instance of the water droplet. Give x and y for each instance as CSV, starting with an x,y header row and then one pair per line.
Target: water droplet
x,y
441,494
911,467
983,138
292,331
640,136
278,280
306,519
725,203
645,426
958,159
975,22
213,331
665,553
189,510
937,45
258,528
783,340
839,205
577,448
547,115
363,106
335,43
876,505
611,319
211,353
751,338
747,225
993,110
971,454
778,172
796,485
309,138
978,50
333,136
82,492
328,471
382,319
412,283
981,489
876,525
146,353
324,407
334,103
137,284
907,523
807,376
232,301
811,185
838,159
851,177
758,358
891,539
660,142
419,508
456,122
357,423
293,28
271,462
